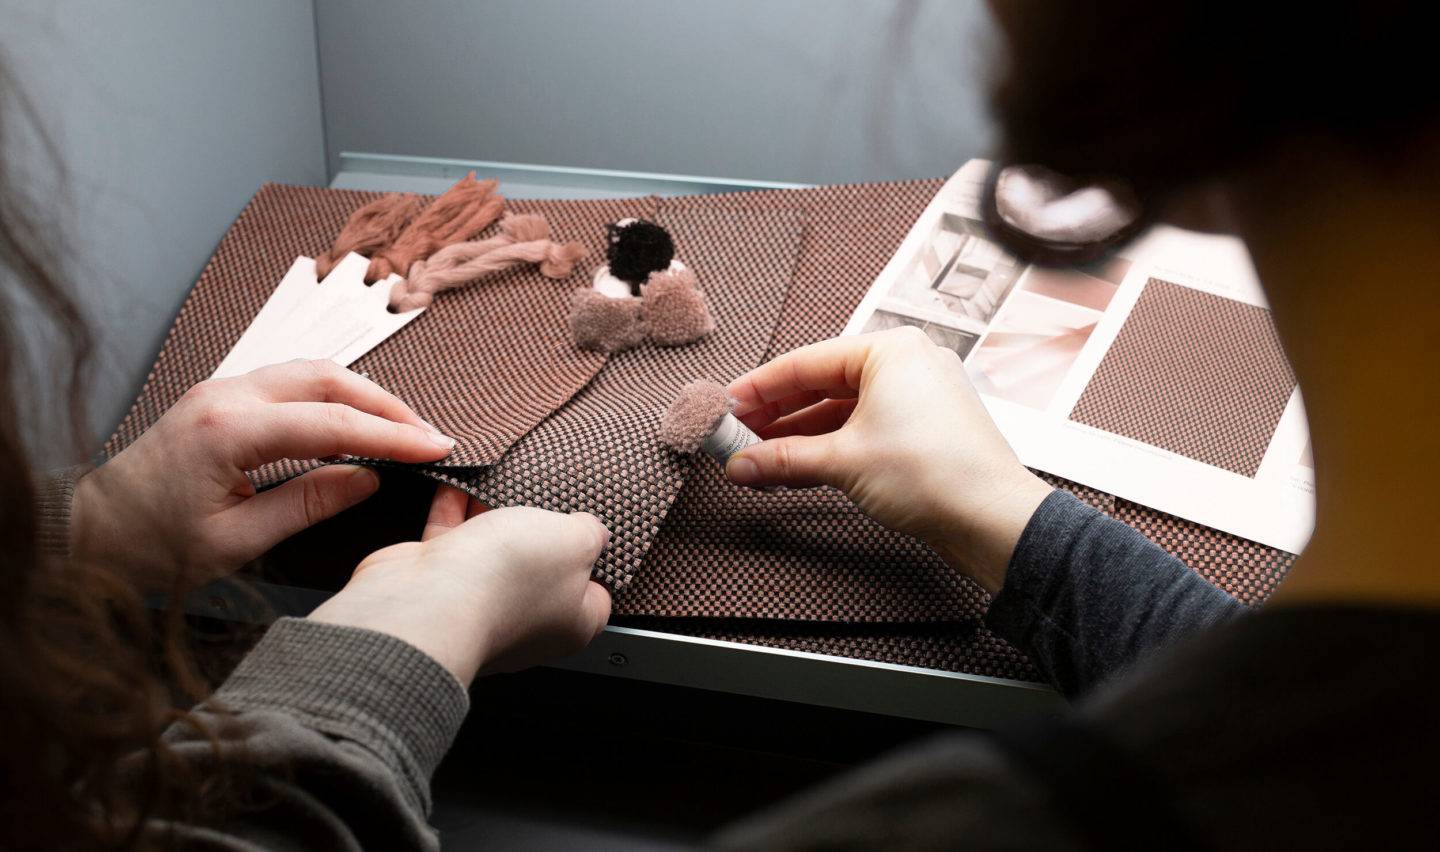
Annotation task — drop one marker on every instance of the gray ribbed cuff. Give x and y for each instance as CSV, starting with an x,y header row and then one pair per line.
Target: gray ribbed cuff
x,y
1036,563
54,496
355,684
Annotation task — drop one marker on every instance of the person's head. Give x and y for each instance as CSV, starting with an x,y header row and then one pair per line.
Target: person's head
x,y
1171,96
82,697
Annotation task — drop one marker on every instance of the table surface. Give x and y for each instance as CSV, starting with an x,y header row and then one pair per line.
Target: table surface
x,y
830,681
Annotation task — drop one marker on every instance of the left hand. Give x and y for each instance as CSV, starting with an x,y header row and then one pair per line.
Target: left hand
x,y
178,499
484,590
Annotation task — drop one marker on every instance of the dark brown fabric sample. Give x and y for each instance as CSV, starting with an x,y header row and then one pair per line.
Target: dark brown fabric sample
x,y
485,363
601,452
1193,373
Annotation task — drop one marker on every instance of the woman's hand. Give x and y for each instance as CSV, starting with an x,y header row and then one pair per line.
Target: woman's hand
x,y
178,498
891,419
503,590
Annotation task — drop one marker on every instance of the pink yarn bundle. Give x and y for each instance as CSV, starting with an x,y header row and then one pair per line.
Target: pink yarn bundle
x,y
523,238
464,210
371,228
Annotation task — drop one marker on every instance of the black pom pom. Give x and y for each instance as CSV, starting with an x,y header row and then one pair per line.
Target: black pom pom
x,y
636,249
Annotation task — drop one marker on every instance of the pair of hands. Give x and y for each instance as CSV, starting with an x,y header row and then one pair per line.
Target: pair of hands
x,y
501,589
889,418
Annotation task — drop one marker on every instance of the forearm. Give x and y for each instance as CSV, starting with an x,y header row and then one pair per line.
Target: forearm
x,y
1085,595
340,728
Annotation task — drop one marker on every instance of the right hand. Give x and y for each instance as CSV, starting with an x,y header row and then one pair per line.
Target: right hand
x,y
891,419
483,591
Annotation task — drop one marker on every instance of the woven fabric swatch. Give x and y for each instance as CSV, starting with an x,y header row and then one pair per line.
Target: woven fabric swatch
x,y
600,453
1248,571
963,646
1193,373
727,551
485,364
778,570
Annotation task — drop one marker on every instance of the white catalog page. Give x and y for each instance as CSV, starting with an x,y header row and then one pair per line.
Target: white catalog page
x,y
1156,375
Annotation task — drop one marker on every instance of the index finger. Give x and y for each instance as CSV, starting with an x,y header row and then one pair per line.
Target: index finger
x,y
326,381
830,369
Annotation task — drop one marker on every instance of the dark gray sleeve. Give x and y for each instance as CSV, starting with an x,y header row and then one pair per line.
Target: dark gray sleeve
x,y
336,730
1086,595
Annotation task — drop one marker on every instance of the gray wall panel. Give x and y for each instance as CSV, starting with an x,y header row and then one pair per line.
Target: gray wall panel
x,y
802,90
167,115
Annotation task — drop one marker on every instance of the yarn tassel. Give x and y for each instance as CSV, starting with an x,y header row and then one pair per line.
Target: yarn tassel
x,y
370,229
466,209
523,239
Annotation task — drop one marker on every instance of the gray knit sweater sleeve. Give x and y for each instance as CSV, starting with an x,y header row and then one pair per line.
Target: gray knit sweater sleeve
x,y
1086,595
340,727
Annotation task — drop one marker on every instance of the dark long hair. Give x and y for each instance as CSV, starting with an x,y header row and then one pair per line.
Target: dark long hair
x,y
87,680
1164,95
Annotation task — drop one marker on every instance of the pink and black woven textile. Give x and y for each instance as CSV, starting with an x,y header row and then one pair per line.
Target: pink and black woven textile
x,y
542,423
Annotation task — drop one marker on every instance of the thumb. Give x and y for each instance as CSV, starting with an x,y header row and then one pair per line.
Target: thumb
x,y
272,516
799,461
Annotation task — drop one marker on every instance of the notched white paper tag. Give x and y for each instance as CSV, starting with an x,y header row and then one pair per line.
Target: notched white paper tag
x,y
340,319
296,284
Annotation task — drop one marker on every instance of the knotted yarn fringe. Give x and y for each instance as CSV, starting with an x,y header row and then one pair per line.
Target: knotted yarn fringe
x,y
466,209
523,238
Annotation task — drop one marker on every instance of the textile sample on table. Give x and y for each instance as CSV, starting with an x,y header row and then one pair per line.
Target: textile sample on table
x,y
1170,381
485,364
601,452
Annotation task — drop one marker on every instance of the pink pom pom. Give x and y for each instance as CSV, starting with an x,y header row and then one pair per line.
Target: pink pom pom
x,y
694,414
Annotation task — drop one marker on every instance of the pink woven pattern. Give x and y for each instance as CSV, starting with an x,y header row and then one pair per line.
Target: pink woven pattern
x,y
1196,374
601,452
484,365
1249,572
798,569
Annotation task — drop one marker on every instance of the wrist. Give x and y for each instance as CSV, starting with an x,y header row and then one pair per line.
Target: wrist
x,y
90,527
979,540
449,627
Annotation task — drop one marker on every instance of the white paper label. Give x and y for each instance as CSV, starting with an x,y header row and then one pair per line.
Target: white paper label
x,y
730,437
340,319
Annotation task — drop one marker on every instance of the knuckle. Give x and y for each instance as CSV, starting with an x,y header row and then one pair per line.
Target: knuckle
x,y
340,420
784,459
909,335
203,391
314,501
214,418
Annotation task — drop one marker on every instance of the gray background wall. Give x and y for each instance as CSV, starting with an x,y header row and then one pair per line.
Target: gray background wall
x,y
169,114
812,91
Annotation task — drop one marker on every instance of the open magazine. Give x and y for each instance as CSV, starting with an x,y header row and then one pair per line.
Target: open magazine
x,y
1156,375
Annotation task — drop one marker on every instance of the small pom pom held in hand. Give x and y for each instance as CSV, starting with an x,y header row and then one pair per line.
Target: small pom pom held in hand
x,y
675,309
600,323
694,414
635,248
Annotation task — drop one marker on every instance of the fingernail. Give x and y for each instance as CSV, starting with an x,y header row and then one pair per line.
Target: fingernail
x,y
742,471
443,441
363,482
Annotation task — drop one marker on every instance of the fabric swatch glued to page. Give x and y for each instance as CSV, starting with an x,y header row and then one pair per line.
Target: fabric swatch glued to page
x,y
1193,373
484,364
601,452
